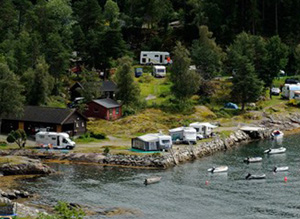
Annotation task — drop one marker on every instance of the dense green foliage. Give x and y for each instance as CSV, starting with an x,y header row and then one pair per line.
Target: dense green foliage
x,y
19,137
64,211
38,40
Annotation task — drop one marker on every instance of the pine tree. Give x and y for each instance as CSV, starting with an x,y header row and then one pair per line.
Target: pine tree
x,y
128,90
185,82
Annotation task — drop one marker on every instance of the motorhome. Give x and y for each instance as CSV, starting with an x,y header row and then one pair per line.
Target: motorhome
x,y
203,129
159,71
288,91
183,135
56,140
155,57
152,142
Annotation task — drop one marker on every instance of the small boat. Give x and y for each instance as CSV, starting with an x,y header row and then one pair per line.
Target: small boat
x,y
275,150
280,169
276,134
250,176
219,169
152,180
252,159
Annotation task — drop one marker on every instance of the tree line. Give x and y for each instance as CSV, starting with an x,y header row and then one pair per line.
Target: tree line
x,y
38,38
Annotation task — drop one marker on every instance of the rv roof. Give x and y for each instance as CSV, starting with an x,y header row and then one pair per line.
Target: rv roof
x,y
151,136
53,133
199,124
159,67
182,128
167,53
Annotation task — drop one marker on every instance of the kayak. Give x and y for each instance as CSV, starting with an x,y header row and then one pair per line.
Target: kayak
x,y
219,169
275,150
250,176
253,159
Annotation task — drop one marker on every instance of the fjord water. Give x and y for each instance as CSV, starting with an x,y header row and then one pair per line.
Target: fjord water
x,y
185,191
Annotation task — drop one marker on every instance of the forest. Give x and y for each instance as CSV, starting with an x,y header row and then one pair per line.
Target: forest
x,y
39,37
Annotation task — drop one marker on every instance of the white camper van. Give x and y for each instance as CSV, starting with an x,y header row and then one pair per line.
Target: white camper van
x,y
155,57
57,140
152,142
288,90
183,134
159,71
204,129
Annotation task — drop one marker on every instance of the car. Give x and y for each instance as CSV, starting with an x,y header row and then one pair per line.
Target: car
x,y
291,81
275,91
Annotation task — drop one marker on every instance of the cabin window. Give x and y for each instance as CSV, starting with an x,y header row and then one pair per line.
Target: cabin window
x,y
110,112
117,111
82,124
96,110
76,124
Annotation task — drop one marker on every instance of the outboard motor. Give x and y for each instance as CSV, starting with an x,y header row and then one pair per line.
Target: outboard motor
x,y
247,177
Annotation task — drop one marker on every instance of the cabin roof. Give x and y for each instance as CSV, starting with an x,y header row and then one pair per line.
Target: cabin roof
x,y
45,115
107,103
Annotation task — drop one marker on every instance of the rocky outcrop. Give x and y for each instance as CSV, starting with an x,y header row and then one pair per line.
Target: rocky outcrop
x,y
23,166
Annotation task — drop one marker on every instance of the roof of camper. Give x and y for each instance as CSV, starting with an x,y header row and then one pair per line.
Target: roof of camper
x,y
159,66
207,124
152,136
182,128
155,52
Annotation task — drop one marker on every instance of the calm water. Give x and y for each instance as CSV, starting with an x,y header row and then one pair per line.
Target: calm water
x,y
182,192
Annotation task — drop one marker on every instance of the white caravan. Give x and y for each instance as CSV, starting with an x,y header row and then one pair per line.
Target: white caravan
x,y
204,129
155,57
288,91
184,134
57,140
152,142
159,71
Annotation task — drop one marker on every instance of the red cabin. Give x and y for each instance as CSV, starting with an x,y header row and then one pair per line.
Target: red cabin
x,y
104,108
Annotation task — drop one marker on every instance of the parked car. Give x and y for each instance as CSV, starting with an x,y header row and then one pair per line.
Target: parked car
x,y
275,91
138,72
291,81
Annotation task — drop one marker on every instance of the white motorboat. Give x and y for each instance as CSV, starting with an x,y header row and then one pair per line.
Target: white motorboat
x,y
280,169
250,176
219,169
276,134
253,159
275,150
151,180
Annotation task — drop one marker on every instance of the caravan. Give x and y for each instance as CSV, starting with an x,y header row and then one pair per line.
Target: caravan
x,y
159,71
204,129
289,90
183,134
152,142
57,140
153,57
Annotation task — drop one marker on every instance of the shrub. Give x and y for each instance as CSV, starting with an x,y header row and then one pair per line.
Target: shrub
x,y
98,135
145,78
106,150
19,137
3,143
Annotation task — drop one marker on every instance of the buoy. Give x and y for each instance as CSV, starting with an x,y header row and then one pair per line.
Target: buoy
x,y
206,182
285,179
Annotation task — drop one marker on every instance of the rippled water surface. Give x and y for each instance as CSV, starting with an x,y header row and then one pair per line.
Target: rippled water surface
x,y
186,191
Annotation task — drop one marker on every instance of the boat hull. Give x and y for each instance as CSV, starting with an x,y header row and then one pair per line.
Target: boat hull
x,y
251,177
280,169
152,180
220,169
253,159
275,151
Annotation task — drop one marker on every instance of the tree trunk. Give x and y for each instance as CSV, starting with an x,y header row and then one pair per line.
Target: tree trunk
x,y
243,106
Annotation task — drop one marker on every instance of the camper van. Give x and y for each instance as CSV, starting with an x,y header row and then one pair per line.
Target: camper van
x,y
183,135
152,142
288,91
203,129
159,71
152,58
57,140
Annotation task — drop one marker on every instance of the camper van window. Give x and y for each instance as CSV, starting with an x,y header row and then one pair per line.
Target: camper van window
x,y
161,70
41,136
53,138
156,55
145,55
65,141
165,141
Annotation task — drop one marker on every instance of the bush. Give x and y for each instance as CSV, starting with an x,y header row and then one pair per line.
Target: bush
x,y
98,135
106,150
3,143
145,78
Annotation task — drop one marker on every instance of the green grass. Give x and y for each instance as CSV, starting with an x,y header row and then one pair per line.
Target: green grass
x,y
158,87
87,140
